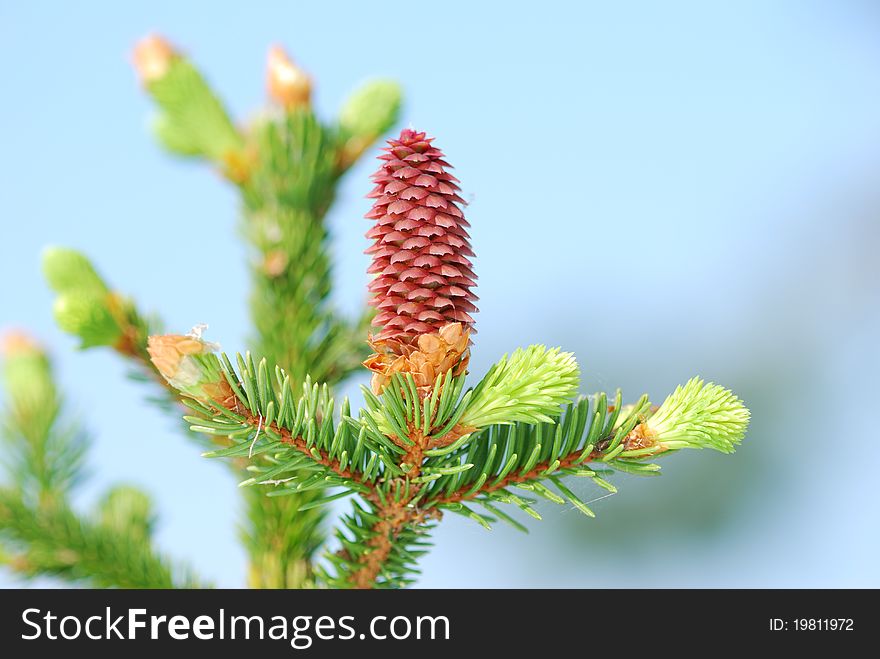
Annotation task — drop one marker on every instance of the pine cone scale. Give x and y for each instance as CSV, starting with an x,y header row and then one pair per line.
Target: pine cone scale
x,y
421,262
421,247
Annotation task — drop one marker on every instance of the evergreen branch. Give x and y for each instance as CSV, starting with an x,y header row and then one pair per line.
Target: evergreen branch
x,y
45,459
403,480
423,444
286,197
386,538
522,455
298,431
302,451
287,194
44,451
54,540
192,120
87,308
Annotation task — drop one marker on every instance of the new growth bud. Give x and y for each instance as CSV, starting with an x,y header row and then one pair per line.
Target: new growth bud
x,y
85,307
170,354
17,343
695,415
287,84
152,57
27,375
129,511
67,270
367,114
191,121
530,385
89,317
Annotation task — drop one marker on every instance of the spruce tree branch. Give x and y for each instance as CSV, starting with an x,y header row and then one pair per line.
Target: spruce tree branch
x,y
87,308
307,451
299,443
45,456
286,195
192,121
538,472
44,449
394,518
287,168
422,445
55,540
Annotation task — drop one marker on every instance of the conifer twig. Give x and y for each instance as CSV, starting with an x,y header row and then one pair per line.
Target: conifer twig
x,y
425,442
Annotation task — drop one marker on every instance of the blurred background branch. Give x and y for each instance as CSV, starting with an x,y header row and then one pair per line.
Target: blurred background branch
x,y
40,534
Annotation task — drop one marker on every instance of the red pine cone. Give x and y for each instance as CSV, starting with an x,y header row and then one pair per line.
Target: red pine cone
x,y
420,255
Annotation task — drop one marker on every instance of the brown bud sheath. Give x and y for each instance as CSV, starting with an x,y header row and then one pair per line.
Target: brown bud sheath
x,y
172,355
19,342
169,352
288,85
152,57
420,258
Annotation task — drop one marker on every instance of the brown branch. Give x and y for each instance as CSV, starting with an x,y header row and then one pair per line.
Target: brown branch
x,y
569,461
395,516
298,442
450,437
132,345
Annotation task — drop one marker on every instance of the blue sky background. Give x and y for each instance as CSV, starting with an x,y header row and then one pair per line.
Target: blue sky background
x,y
667,189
